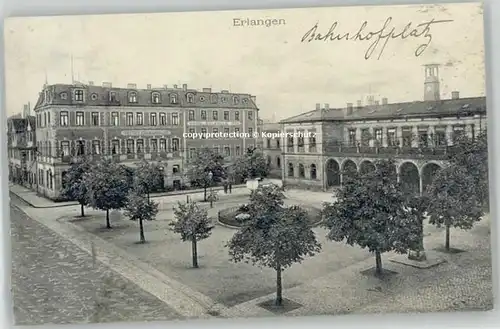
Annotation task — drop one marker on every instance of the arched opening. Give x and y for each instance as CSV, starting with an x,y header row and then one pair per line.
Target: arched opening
x,y
269,161
409,178
366,167
313,171
349,168
332,173
428,172
290,170
302,172
278,162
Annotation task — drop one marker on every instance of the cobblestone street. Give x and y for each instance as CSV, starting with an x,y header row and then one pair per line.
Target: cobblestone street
x,y
55,282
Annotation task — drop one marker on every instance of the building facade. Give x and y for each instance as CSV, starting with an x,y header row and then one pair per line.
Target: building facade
x,y
418,135
21,145
271,148
130,124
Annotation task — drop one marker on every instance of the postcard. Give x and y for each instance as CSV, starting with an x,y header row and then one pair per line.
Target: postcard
x,y
251,163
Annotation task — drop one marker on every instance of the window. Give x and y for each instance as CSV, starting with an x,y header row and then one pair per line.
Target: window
x,y
302,172
278,162
216,149
423,139
237,116
365,137
237,151
93,97
80,119
63,95
226,131
163,145
407,137
391,137
236,100
152,119
154,145
65,148
278,143
96,147
192,131
352,137
79,95
313,171
173,98
268,143
130,119
163,119
190,98
290,170
440,137
132,97
227,151
155,98
203,133
250,132
203,115
226,115
63,118
45,119
80,147
175,144
312,144
300,141
48,119
114,119
458,132
250,115
215,130
378,136
140,118
112,96
215,115
140,145
130,146
191,153
191,115
95,118
269,161
175,119
213,98
115,146
175,169
289,143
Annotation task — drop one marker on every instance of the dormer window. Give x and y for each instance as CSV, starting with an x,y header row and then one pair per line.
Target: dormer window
x,y
93,96
63,95
223,99
132,97
112,96
202,98
155,98
190,98
245,100
79,95
236,100
213,98
173,98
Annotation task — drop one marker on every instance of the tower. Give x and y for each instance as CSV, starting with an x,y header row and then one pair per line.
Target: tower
x,y
431,83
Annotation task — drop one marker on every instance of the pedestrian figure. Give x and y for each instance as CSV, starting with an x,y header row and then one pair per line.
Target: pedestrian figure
x,y
225,187
230,187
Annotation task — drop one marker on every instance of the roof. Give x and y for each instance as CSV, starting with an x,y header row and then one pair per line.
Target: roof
x,y
19,124
63,94
395,110
271,127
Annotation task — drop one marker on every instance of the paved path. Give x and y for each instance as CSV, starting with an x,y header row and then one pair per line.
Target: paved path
x,y
55,282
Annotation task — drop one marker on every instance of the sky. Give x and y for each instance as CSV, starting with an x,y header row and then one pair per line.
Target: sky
x,y
287,76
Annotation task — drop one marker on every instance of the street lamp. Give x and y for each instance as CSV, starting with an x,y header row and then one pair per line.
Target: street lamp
x,y
210,176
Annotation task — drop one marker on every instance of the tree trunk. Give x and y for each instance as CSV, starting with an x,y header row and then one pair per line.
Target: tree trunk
x,y
82,211
108,224
195,252
141,230
205,193
148,196
447,241
279,287
378,263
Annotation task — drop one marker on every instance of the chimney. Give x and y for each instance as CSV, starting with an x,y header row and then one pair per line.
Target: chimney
x,y
165,86
359,104
385,101
91,83
377,102
131,85
455,95
175,86
318,106
327,106
185,87
224,91
348,109
207,90
148,86
107,84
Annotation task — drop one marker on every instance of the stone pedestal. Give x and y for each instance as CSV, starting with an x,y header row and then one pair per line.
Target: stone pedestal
x,y
418,255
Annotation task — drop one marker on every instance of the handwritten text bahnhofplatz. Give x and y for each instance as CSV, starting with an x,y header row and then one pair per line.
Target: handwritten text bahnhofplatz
x,y
411,30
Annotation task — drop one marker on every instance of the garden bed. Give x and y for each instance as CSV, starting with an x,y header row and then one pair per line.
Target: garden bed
x,y
227,216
